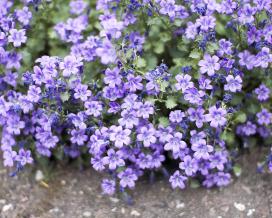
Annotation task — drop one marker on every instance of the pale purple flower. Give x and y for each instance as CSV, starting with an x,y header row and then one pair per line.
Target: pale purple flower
x,y
14,125
194,96
108,186
264,117
77,6
209,65
144,110
23,15
133,83
202,150
94,108
234,84
82,92
24,157
264,58
177,180
197,115
189,165
147,135
113,77
70,65
127,178
191,30
78,137
176,116
34,93
17,37
183,82
262,92
120,136
174,142
205,83
128,119
113,159
206,22
218,159
9,157
216,116
107,52
247,59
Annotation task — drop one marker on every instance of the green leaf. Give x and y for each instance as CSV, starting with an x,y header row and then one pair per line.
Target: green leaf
x,y
171,102
229,137
237,170
195,54
140,63
194,183
241,117
65,96
164,121
212,47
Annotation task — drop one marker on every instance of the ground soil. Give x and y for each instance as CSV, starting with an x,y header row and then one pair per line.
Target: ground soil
x,y
71,193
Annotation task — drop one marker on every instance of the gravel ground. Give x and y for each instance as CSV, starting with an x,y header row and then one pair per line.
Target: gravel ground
x,y
74,194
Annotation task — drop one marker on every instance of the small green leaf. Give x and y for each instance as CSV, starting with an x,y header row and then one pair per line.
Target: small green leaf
x,y
194,183
65,96
171,102
164,121
140,63
240,117
237,170
195,54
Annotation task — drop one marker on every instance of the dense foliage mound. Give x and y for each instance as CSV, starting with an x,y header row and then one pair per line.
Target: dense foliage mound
x,y
136,87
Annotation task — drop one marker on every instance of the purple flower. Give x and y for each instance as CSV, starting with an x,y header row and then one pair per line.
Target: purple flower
x,y
184,82
24,157
70,65
216,116
194,96
127,178
113,159
78,136
205,83
222,179
107,52
176,116
9,158
77,6
17,37
218,159
108,186
14,125
128,119
202,150
264,58
247,59
82,92
23,15
189,165
168,8
113,77
174,142
144,109
209,65
133,83
206,22
191,30
94,108
34,94
233,83
262,92
225,47
197,115
177,180
147,135
120,136
264,117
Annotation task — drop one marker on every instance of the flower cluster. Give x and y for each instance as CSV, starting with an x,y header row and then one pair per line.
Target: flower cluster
x,y
132,85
